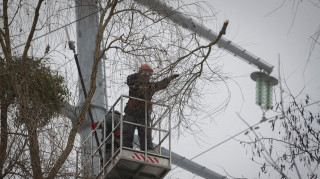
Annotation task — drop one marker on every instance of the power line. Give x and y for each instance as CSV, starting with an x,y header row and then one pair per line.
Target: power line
x,y
57,29
226,140
235,135
316,102
222,142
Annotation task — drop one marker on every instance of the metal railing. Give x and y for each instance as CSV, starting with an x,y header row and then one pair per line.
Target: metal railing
x,y
161,128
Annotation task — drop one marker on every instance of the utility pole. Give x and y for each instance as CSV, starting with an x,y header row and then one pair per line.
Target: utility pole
x,y
86,39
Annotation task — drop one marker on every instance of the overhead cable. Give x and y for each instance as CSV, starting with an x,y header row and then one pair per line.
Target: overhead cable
x,y
36,38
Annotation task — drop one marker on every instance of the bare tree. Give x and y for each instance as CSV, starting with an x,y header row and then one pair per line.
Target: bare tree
x,y
293,149
149,38
128,34
31,93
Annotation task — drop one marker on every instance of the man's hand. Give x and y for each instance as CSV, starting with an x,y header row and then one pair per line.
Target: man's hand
x,y
174,76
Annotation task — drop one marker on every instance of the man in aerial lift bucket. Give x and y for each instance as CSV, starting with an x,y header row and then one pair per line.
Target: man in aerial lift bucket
x,y
116,132
141,87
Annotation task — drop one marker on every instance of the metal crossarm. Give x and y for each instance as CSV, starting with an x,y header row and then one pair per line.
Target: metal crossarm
x,y
188,23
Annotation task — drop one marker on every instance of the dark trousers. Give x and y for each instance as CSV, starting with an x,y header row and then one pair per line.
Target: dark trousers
x,y
128,132
109,149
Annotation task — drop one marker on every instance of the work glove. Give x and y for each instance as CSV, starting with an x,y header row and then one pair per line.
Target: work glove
x,y
174,76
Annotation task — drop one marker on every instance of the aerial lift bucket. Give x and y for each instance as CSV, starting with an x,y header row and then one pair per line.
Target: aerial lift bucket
x,y
131,163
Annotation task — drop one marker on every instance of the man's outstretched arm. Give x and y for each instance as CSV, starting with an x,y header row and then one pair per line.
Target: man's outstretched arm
x,y
160,85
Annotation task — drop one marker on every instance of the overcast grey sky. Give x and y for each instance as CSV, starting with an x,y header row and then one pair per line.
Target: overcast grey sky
x,y
265,34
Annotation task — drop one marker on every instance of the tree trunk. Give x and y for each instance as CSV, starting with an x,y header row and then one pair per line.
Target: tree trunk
x,y
34,151
4,134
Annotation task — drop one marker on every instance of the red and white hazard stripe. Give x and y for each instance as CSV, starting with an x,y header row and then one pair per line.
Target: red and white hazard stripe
x,y
115,159
141,157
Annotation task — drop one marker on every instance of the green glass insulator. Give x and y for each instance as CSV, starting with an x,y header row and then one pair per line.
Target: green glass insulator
x,y
264,86
260,85
268,102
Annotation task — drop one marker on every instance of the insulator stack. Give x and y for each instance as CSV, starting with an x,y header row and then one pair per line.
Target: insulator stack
x,y
268,96
260,85
264,86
